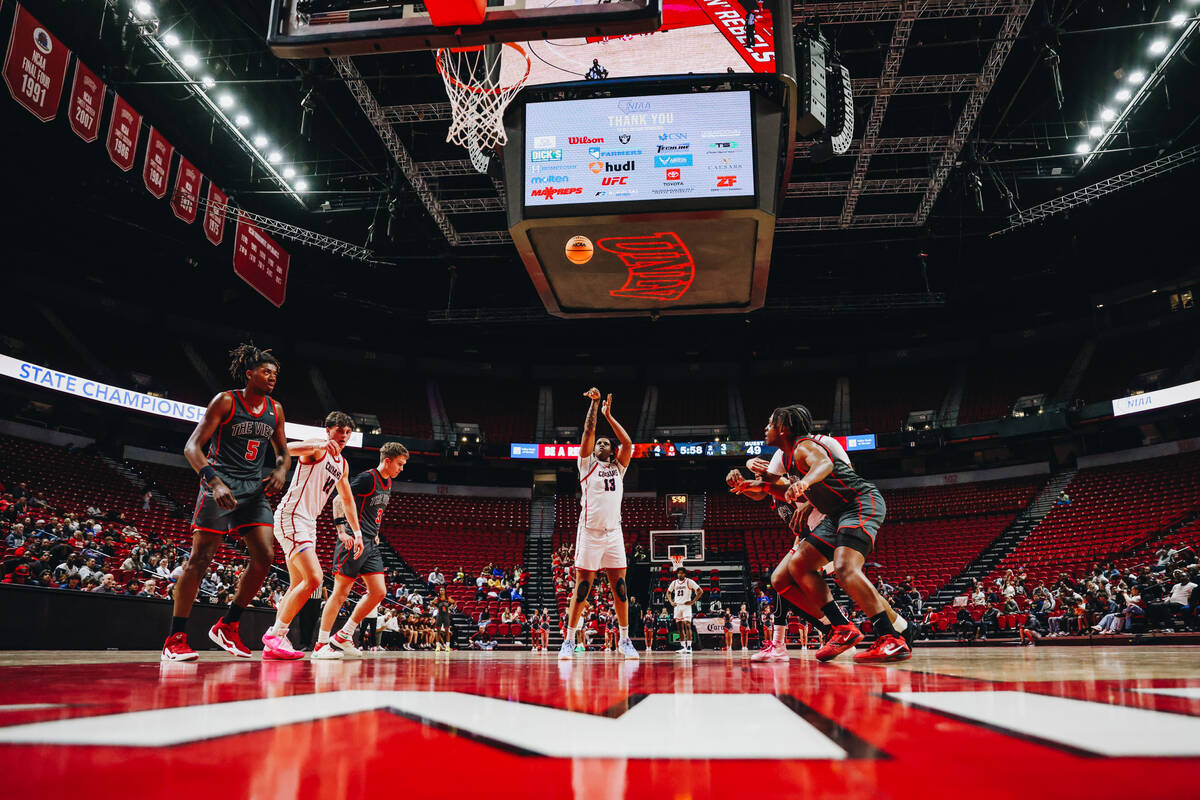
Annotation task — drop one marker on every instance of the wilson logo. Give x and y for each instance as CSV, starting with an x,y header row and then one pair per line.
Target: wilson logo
x,y
726,180
584,140
660,266
550,192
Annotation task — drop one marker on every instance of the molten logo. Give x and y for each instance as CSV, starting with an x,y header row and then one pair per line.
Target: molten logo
x,y
726,180
596,167
550,192
673,174
584,140
613,180
660,266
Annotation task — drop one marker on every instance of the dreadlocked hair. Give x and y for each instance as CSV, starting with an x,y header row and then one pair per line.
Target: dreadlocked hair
x,y
246,357
797,419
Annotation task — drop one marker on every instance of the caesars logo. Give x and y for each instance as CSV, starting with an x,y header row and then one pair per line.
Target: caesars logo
x,y
550,192
585,140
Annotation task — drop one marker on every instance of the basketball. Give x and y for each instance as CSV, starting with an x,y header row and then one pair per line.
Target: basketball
x,y
579,249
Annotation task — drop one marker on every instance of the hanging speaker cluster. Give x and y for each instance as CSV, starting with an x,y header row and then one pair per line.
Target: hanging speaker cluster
x,y
827,98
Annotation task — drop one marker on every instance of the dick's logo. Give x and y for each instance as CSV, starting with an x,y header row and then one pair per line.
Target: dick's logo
x,y
614,180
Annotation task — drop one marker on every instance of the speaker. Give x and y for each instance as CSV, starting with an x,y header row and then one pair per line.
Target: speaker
x,y
811,57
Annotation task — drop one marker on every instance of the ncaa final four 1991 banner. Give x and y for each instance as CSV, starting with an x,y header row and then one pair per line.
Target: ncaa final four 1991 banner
x,y
35,66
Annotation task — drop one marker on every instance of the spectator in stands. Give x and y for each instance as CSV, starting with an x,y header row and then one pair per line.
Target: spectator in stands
x,y
45,578
19,576
965,626
1063,499
1159,615
977,596
435,579
107,585
640,556
460,576
73,582
88,569
16,537
132,588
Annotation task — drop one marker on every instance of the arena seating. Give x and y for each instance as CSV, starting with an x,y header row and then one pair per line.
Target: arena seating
x,y
995,380
762,396
570,406
639,516
690,404
400,401
506,411
1111,508
1120,358
881,398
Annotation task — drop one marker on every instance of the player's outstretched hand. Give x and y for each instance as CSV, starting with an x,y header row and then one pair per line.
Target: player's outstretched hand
x,y
606,407
333,447
746,486
734,478
592,394
758,465
796,492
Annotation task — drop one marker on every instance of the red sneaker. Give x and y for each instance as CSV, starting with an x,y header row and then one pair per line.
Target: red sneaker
x,y
841,639
225,635
176,648
885,648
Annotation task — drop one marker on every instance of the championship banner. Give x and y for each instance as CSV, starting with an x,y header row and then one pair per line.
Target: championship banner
x,y
35,66
260,262
186,196
52,379
86,103
214,214
157,166
123,128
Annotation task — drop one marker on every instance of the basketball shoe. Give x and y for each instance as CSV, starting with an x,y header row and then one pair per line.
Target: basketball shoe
x,y
324,652
567,651
771,652
345,645
885,648
278,648
176,649
225,635
841,639
628,650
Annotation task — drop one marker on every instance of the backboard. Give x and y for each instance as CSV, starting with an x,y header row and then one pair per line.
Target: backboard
x,y
316,28
664,544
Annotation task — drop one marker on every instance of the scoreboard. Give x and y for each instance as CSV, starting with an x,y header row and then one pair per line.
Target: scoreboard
x,y
667,449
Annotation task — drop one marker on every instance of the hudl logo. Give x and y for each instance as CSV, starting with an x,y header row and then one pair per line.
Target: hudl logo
x,y
584,140
624,138
550,192
545,155
628,166
660,266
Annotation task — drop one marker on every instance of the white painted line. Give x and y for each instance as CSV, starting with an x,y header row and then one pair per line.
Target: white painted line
x,y
1190,692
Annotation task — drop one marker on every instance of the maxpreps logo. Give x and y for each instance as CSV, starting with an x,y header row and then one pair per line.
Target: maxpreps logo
x,y
673,161
550,192
545,155
585,140
596,154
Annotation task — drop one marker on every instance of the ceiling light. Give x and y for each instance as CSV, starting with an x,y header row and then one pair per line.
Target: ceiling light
x,y
301,185
1083,148
260,141
1123,95
289,173
226,100
171,40
190,60
242,120
208,81
1107,114
1178,20
1096,131
275,157
143,9
1137,76
1158,47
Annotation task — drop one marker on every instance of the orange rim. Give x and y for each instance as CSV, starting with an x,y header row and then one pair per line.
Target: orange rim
x,y
480,89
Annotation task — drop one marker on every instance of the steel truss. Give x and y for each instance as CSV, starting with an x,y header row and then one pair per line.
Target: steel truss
x,y
1079,197
285,230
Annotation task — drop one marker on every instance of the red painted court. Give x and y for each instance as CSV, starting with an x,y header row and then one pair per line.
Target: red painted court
x,y
952,722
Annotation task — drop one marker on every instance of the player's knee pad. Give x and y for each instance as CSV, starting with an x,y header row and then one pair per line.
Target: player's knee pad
x,y
619,590
582,591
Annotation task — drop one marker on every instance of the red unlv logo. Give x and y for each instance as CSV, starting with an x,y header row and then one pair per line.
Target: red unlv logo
x,y
550,192
613,180
660,266
726,180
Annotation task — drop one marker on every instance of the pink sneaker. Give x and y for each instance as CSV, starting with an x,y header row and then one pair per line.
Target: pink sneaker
x,y
771,652
278,648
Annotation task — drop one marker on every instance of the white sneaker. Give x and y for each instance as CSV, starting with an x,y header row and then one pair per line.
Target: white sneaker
x,y
324,652
567,651
628,650
346,646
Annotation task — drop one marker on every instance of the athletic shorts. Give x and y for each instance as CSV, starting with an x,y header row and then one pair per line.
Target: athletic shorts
x,y
596,550
369,563
252,509
856,527
683,612
295,534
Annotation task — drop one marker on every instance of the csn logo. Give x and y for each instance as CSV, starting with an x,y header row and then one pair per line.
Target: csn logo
x,y
585,140
614,180
545,155
726,180
672,137
550,192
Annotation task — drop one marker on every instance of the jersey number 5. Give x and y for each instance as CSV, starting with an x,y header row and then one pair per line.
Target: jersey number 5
x,y
252,449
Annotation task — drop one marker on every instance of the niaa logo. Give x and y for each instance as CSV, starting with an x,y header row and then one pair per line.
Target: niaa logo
x,y
633,106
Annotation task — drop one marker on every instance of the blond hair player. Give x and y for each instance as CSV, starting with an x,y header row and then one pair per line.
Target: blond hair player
x,y
600,544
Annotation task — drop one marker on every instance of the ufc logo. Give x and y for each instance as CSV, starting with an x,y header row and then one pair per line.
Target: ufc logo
x,y
726,180
613,180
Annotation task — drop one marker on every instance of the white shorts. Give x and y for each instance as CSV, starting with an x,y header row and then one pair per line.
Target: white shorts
x,y
596,550
683,612
295,534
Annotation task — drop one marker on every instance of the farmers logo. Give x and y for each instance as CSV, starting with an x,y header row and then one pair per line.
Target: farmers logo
x,y
660,266
550,192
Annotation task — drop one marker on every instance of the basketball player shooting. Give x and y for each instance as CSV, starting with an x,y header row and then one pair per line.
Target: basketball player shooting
x,y
321,471
600,544
237,426
372,490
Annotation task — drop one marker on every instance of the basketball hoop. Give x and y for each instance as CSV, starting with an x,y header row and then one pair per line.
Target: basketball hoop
x,y
677,561
479,90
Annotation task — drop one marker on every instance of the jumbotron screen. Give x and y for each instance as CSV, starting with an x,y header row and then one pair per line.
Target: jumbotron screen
x,y
627,149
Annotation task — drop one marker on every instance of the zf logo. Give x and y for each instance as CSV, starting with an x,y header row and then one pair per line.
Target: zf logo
x,y
726,180
613,180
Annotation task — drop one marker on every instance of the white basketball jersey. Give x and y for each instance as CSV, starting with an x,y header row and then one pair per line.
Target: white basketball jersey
x,y
682,591
835,449
312,484
603,484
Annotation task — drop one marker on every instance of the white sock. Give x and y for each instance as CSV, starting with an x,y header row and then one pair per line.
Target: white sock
x,y
279,629
323,637
780,634
624,631
900,624
571,632
348,629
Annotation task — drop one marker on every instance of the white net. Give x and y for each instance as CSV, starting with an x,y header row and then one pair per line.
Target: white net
x,y
480,86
